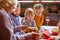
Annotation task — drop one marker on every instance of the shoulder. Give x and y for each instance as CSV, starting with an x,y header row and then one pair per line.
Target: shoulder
x,y
1,16
1,13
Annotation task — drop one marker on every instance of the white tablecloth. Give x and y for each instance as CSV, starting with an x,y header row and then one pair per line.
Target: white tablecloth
x,y
49,28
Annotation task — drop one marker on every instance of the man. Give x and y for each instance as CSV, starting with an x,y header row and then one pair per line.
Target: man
x,y
6,27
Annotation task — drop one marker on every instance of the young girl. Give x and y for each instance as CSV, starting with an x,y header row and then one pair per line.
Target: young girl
x,y
39,17
29,18
29,21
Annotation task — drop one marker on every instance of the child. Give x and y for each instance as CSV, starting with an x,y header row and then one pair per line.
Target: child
x,y
39,17
29,18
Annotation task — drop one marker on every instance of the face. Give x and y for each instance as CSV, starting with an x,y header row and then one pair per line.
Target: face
x,y
38,11
17,11
12,8
30,16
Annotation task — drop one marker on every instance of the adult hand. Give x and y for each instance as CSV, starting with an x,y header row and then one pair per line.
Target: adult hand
x,y
30,29
19,28
32,36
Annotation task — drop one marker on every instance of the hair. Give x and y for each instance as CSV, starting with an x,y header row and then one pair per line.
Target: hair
x,y
7,3
18,5
38,6
28,10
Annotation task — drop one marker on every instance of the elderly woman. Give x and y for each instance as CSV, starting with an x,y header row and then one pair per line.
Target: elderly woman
x,y
6,27
39,17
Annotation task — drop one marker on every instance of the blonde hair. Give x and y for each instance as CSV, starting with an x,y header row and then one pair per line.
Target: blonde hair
x,y
7,3
28,10
38,6
18,5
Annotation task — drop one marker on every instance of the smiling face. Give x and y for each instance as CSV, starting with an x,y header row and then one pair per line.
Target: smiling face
x,y
30,16
38,11
11,8
8,5
17,11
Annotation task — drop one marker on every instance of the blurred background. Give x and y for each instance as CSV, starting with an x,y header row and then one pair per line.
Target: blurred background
x,y
52,9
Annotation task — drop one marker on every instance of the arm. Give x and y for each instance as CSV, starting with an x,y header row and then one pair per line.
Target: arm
x,y
19,28
29,36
